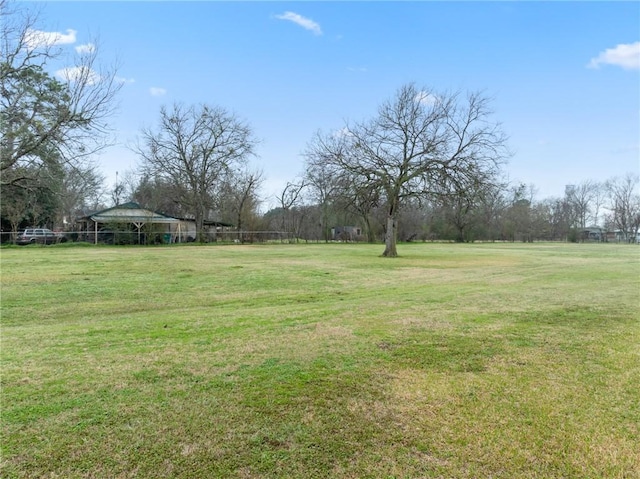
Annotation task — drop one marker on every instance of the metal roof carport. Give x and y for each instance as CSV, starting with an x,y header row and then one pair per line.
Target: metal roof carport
x,y
130,213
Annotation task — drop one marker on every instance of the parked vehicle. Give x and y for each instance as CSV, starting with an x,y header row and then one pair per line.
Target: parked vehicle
x,y
38,235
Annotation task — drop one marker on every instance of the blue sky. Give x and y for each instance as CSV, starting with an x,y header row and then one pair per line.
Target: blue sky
x,y
564,76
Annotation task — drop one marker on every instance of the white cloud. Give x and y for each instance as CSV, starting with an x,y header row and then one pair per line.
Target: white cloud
x,y
357,69
625,55
75,74
157,91
343,132
39,39
426,98
87,48
124,80
304,22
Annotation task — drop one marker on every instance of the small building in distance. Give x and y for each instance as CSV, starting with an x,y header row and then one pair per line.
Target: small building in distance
x,y
346,233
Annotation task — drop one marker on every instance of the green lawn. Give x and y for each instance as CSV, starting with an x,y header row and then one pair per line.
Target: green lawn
x,y
321,361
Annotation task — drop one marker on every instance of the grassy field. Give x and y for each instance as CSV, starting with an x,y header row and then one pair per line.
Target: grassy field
x,y
321,361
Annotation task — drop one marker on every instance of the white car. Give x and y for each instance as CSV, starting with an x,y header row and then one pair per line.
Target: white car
x,y
38,235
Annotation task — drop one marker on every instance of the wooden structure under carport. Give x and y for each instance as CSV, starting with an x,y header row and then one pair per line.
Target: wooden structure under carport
x,y
131,213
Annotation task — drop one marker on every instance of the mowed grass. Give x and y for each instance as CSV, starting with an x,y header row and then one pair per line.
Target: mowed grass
x,y
318,361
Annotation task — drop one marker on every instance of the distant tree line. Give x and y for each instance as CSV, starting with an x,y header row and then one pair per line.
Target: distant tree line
x,y
427,166
500,212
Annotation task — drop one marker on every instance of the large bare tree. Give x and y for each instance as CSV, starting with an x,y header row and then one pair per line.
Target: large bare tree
x,y
418,141
48,118
195,149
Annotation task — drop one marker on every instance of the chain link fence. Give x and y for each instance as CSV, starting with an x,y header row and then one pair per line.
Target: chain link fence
x,y
127,237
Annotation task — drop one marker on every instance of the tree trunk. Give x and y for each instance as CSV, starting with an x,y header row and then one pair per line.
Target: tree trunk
x,y
239,222
200,236
390,250
367,227
14,232
326,231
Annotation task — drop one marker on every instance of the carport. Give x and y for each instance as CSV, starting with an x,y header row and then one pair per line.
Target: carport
x,y
131,213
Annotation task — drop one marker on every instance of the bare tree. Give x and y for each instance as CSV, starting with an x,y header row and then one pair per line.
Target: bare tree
x,y
324,185
580,199
81,188
361,198
335,188
417,141
462,206
44,119
194,149
239,198
492,207
290,200
599,200
624,205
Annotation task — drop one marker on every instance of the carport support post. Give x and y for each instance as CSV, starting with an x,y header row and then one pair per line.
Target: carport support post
x,y
138,225
95,234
